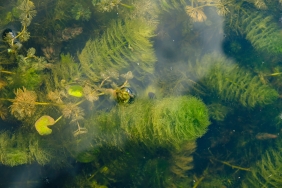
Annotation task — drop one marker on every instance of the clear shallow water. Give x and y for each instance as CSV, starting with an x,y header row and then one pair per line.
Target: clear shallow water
x,y
140,94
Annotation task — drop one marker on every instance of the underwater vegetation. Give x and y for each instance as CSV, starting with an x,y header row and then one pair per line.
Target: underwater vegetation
x,y
147,125
218,111
17,150
266,172
127,93
261,31
120,46
230,82
80,13
147,131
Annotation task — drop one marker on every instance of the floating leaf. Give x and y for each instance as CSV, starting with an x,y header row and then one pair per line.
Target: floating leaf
x,y
42,124
76,91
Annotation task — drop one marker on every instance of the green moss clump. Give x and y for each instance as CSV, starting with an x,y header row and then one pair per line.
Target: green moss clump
x,y
165,123
177,119
168,122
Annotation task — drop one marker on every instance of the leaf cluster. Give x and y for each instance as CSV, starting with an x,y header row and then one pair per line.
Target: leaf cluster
x,y
80,13
65,72
232,83
105,5
24,104
261,30
182,159
27,12
218,111
179,119
155,145
267,172
165,123
124,44
169,5
19,148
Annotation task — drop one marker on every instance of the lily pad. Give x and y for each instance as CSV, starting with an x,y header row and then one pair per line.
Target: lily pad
x,y
76,91
42,124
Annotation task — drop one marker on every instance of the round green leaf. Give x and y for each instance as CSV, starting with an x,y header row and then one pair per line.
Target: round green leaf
x,y
76,91
42,124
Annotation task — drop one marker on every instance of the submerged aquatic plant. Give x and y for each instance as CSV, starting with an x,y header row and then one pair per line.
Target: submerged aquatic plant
x,y
108,5
26,13
230,82
182,159
179,119
158,146
168,5
167,122
24,103
80,13
266,172
23,148
3,112
261,31
125,44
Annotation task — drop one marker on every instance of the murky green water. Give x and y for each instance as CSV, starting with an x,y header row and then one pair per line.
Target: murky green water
x,y
127,93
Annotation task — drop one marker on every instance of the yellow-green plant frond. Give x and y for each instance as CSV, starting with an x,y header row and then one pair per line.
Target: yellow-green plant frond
x,y
145,10
218,111
24,148
123,45
167,122
168,5
261,31
259,4
178,119
267,172
232,83
182,159
41,155
66,71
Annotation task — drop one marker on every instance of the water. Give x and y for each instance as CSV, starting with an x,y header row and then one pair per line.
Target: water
x,y
140,93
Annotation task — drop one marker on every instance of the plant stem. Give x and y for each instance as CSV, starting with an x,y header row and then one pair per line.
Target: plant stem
x,y
102,83
2,99
43,103
127,6
124,84
275,74
24,27
232,166
7,72
58,119
198,182
78,103
37,103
